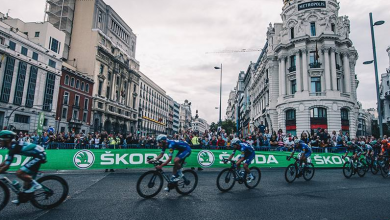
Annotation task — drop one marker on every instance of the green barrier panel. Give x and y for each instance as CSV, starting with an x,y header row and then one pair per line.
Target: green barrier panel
x,y
137,158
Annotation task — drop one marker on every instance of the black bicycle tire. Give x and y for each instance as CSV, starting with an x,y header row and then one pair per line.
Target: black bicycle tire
x,y
304,171
344,167
219,176
195,185
287,169
385,173
64,195
364,162
358,173
374,169
143,176
6,195
258,180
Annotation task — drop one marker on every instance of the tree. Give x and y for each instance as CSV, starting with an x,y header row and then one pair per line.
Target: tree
x,y
229,126
213,127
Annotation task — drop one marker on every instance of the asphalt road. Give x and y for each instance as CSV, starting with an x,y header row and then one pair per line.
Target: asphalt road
x,y
99,195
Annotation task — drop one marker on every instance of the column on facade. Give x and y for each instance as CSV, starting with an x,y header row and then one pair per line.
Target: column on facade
x,y
347,73
305,77
283,76
327,69
14,79
112,88
298,72
334,70
26,83
280,76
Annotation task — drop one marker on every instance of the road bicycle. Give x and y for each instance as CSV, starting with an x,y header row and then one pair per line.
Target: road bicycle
x,y
228,177
352,167
151,182
383,164
297,170
54,192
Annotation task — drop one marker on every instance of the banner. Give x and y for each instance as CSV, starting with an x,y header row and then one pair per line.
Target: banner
x,y
41,119
137,158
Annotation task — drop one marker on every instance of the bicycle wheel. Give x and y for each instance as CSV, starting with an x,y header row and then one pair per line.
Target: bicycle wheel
x,y
385,170
226,180
361,170
308,172
149,184
257,177
187,183
54,191
374,167
291,173
347,170
4,195
364,164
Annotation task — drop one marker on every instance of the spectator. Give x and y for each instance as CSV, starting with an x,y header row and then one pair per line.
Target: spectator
x,y
220,142
261,127
45,141
213,143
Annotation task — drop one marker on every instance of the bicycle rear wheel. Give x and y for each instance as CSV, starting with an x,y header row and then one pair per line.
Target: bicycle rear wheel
x,y
226,180
150,184
4,195
385,170
360,170
257,177
308,172
348,169
291,173
54,191
364,164
374,167
187,183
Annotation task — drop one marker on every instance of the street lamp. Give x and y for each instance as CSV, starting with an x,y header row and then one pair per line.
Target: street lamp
x,y
220,95
372,24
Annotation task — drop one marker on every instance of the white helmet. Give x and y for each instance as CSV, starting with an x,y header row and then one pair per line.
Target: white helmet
x,y
235,141
161,137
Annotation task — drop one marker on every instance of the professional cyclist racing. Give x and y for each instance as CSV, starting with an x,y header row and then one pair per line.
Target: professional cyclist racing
x,y
28,171
184,150
305,151
247,155
355,149
385,150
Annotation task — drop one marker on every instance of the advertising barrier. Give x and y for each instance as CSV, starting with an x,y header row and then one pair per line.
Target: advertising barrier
x,y
137,158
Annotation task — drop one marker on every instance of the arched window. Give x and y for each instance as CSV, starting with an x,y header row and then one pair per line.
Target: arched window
x,y
66,80
291,122
345,120
77,84
72,82
82,86
318,119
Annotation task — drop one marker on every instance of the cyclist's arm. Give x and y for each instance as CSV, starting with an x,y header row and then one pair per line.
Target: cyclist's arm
x,y
232,155
242,158
293,152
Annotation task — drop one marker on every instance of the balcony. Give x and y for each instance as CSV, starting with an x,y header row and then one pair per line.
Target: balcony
x,y
345,95
292,69
288,97
338,67
315,65
318,94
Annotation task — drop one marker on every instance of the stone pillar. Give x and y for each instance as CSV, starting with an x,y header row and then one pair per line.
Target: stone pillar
x,y
298,72
334,70
347,73
280,77
305,77
283,74
327,69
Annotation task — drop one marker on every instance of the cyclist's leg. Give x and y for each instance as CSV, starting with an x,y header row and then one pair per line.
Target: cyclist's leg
x,y
28,172
179,160
248,162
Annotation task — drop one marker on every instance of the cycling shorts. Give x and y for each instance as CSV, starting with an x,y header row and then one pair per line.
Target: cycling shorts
x,y
33,165
249,158
184,154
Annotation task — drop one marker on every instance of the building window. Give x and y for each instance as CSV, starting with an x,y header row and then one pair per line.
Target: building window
x,y
109,76
48,98
24,51
333,27
100,87
45,122
292,33
133,46
82,86
77,84
344,120
77,101
22,119
66,98
108,92
134,102
7,80
87,87
293,86
100,105
36,34
316,85
52,63
20,83
101,69
72,82
135,88
54,45
12,45
344,114
31,87
2,40
35,56
86,104
313,29
100,17
66,82
64,113
84,117
75,114
293,66
318,113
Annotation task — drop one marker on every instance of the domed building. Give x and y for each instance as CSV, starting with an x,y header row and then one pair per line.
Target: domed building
x,y
305,77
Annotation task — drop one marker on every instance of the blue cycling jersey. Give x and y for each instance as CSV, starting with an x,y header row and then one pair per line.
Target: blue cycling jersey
x,y
181,146
245,149
27,149
302,147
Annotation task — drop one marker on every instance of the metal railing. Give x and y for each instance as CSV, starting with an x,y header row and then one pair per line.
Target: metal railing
x,y
318,94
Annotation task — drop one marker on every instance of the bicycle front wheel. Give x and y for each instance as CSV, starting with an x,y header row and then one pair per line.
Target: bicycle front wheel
x,y
4,195
187,183
348,169
291,173
226,180
256,173
150,184
385,170
308,172
374,167
54,191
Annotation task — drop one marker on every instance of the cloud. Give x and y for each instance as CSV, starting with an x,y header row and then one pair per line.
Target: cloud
x,y
174,36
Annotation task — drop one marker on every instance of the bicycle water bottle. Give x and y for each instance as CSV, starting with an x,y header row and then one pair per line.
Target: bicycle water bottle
x,y
16,184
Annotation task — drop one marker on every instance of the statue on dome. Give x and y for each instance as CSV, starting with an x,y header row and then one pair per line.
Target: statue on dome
x,y
270,28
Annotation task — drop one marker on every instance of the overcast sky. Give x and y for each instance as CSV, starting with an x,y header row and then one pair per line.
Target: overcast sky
x,y
174,36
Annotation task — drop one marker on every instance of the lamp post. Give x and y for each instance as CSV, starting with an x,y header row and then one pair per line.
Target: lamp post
x,y
220,95
372,24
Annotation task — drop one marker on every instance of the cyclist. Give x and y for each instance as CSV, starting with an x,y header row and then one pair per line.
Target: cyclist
x,y
355,149
184,150
247,155
385,150
28,171
305,151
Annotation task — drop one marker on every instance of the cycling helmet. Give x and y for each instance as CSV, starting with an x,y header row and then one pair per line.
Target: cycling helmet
x,y
161,137
7,135
384,141
349,143
235,141
372,143
297,141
